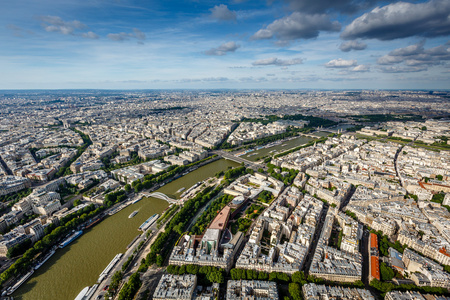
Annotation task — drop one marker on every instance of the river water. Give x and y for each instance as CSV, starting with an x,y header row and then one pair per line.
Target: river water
x,y
79,264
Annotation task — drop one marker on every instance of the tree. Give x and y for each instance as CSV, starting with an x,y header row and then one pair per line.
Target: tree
x,y
138,187
299,277
192,269
386,272
127,188
215,276
182,270
159,260
295,291
283,277
134,183
19,249
131,287
77,202
383,287
115,282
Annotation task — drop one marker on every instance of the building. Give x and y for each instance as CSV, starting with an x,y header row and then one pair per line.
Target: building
x,y
290,223
127,175
251,290
13,184
446,199
312,291
180,287
11,239
333,264
215,248
410,295
374,266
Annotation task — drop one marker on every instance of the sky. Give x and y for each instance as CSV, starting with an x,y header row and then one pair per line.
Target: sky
x,y
236,44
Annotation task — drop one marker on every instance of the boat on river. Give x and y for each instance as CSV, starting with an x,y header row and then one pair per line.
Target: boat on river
x,y
71,238
44,260
13,288
133,214
149,222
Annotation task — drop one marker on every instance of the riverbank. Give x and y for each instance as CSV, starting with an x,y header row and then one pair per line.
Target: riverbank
x,y
79,264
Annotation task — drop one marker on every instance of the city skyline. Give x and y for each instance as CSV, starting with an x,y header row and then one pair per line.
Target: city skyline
x,y
292,44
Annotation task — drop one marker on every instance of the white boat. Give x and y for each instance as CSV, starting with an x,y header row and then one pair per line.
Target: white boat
x,y
149,222
44,260
133,214
137,199
82,294
19,283
71,238
108,268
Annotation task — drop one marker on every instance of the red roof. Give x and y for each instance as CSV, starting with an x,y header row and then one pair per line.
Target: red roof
x,y
374,267
221,220
444,251
373,241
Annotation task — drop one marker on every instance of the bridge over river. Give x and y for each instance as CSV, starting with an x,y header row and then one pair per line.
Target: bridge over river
x,y
160,196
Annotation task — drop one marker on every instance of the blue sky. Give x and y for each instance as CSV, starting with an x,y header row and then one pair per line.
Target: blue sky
x,y
294,44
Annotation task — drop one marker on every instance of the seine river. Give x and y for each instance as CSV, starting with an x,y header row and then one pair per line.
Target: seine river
x,y
78,265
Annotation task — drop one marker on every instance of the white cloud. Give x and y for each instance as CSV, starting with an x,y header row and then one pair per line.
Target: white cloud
x,y
352,45
341,63
361,68
90,35
402,69
321,6
402,19
223,49
277,62
297,26
123,36
414,55
119,37
56,24
222,13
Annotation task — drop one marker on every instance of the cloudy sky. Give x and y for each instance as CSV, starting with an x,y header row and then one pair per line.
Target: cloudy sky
x,y
149,44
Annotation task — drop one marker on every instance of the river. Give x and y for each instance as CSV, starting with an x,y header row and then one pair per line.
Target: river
x,y
78,265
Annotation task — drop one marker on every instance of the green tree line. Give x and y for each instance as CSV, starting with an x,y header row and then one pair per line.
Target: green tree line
x,y
206,274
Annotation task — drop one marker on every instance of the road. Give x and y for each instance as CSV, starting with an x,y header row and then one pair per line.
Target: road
x,y
347,198
365,252
150,280
5,167
365,256
395,160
